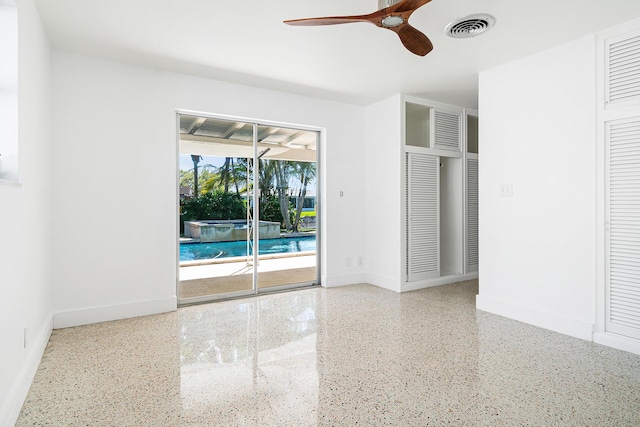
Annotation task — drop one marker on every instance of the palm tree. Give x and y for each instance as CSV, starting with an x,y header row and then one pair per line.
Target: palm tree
x,y
240,169
282,171
195,159
306,172
267,177
234,170
225,173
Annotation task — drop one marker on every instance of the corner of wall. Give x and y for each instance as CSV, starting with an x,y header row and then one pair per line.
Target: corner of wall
x,y
551,321
343,280
385,282
67,319
12,406
618,342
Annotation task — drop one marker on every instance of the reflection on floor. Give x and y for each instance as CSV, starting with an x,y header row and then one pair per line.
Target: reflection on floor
x,y
224,277
353,355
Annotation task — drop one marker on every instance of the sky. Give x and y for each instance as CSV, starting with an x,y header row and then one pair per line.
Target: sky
x,y
187,164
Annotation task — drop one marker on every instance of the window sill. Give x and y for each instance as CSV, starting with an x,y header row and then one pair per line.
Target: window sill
x,y
10,183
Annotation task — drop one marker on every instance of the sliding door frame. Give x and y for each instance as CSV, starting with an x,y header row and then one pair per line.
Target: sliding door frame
x,y
256,202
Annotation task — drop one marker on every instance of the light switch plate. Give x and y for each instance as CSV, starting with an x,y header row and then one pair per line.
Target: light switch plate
x,y
506,190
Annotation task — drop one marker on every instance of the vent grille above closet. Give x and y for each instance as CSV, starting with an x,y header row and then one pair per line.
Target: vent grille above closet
x,y
447,130
623,70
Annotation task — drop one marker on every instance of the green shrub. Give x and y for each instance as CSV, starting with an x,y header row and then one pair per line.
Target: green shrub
x,y
214,205
270,209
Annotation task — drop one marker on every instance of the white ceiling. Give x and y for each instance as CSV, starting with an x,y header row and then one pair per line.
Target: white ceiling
x,y
245,41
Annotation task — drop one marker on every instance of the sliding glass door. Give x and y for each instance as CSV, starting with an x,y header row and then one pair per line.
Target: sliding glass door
x,y
288,194
248,208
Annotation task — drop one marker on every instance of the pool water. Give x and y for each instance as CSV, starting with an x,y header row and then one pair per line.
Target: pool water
x,y
197,251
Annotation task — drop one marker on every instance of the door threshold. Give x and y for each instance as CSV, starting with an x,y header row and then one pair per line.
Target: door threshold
x,y
237,295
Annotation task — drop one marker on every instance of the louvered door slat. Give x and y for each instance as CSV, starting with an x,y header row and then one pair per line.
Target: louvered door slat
x,y
472,215
623,217
626,45
628,138
423,216
628,293
623,70
626,77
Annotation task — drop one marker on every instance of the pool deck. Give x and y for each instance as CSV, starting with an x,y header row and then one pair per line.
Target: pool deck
x,y
201,279
224,267
189,240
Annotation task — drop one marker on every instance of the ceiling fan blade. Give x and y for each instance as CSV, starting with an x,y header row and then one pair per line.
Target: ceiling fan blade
x,y
329,20
394,18
414,40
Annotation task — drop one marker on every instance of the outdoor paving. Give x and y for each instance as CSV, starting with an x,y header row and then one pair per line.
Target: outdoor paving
x,y
224,276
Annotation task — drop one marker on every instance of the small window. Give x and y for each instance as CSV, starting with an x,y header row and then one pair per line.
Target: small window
x,y
8,91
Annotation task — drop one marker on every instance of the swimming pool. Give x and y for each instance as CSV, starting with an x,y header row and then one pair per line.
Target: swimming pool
x,y
198,251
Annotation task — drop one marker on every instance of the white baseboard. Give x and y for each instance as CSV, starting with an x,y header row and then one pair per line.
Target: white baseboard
x,y
438,281
11,409
67,319
344,280
532,316
390,283
617,341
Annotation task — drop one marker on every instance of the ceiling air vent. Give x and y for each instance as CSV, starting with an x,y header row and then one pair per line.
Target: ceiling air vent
x,y
469,26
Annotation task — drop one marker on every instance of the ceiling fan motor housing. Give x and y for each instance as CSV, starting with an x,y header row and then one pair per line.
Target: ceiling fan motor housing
x,y
390,21
386,3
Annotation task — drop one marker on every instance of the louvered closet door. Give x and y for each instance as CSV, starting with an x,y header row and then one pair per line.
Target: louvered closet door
x,y
423,216
623,69
472,215
623,227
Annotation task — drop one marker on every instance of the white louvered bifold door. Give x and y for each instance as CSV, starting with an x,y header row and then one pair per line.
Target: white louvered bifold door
x,y
446,129
423,216
472,215
623,227
622,69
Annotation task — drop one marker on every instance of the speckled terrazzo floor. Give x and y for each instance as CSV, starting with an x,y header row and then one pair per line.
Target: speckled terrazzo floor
x,y
356,355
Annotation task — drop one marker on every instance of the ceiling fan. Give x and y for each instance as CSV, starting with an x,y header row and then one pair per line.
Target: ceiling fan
x,y
393,15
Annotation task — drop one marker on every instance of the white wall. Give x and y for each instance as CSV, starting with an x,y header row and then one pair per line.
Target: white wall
x,y
451,216
25,242
537,132
114,181
383,172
